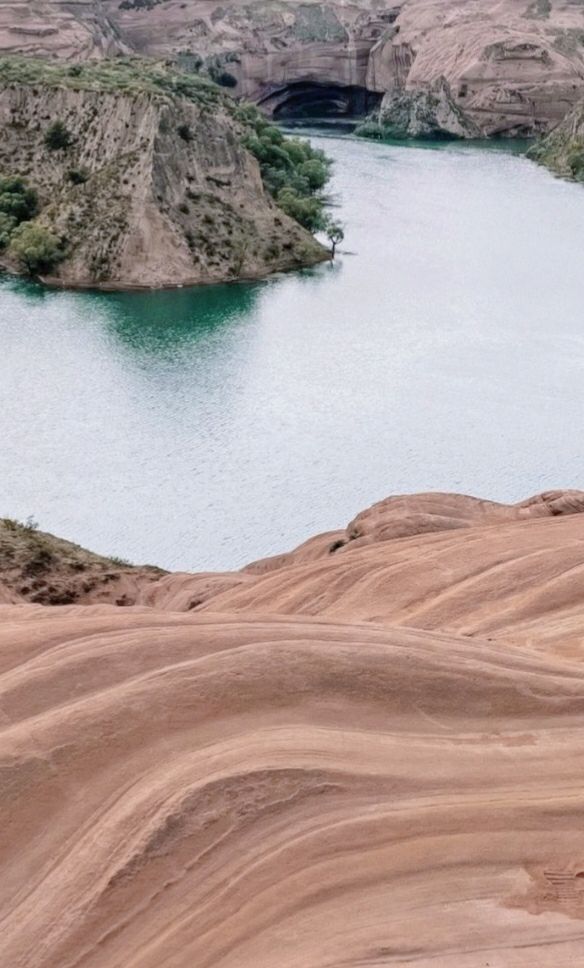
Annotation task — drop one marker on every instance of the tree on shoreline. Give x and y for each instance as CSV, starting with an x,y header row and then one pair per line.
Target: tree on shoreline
x,y
335,233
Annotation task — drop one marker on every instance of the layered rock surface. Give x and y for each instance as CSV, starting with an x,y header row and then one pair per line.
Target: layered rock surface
x,y
154,190
426,113
364,752
516,66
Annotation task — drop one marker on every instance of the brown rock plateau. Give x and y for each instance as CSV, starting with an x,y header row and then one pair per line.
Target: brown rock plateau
x,y
515,66
365,752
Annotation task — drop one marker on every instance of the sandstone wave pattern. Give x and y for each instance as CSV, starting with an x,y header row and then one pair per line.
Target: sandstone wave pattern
x,y
364,753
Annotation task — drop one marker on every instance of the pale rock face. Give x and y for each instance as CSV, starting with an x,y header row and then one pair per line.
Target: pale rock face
x,y
563,149
156,210
516,66
424,113
49,27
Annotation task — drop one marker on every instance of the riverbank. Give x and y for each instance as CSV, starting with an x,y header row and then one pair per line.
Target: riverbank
x,y
301,398
146,177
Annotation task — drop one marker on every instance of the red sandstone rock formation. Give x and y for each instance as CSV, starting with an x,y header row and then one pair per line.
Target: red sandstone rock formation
x,y
365,752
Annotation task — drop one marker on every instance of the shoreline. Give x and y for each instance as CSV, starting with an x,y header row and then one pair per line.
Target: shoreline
x,y
52,282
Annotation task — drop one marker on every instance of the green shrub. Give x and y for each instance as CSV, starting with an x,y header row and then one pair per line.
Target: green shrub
x,y
77,176
185,132
7,226
120,562
293,172
304,209
16,199
369,129
316,173
576,162
58,137
36,248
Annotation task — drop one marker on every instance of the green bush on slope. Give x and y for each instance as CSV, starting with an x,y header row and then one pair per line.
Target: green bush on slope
x,y
294,173
18,203
292,170
16,199
58,137
36,248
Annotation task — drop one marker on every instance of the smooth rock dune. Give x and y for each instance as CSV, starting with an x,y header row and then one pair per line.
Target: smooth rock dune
x,y
366,752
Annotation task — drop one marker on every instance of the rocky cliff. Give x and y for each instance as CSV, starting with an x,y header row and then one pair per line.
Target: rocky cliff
x,y
153,186
419,113
563,149
366,752
515,66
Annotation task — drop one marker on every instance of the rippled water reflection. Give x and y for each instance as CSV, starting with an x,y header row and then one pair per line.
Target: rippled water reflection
x,y
202,428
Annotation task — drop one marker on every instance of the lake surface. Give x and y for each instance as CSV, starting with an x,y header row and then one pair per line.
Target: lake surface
x,y
197,429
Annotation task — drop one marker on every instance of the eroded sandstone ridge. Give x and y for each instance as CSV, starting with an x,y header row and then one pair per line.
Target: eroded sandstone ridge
x,y
145,182
514,66
366,752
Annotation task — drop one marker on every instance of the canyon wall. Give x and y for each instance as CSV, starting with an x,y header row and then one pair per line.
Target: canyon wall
x,y
563,149
515,66
152,190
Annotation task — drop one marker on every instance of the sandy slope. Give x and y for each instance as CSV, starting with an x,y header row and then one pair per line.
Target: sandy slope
x,y
363,757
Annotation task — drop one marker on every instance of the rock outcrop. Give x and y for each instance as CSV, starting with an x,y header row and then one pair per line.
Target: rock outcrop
x,y
365,752
430,113
41,569
514,66
563,149
154,188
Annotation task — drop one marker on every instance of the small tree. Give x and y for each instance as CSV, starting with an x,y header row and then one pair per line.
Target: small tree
x,y
335,234
58,137
36,248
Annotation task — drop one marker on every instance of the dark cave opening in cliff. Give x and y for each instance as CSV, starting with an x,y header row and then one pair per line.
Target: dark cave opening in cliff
x,y
308,99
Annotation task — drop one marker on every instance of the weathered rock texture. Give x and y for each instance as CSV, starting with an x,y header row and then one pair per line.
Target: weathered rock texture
x,y
516,66
367,752
157,208
39,568
563,149
422,113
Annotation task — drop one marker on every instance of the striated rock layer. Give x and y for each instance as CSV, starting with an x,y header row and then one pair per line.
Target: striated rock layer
x,y
155,188
516,66
366,752
424,113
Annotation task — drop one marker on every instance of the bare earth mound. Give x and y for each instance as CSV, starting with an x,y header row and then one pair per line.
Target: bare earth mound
x,y
362,753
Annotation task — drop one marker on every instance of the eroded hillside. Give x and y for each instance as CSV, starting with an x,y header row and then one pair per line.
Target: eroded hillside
x,y
143,177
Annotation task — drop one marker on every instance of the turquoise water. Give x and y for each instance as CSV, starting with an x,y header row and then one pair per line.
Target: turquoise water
x,y
203,428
